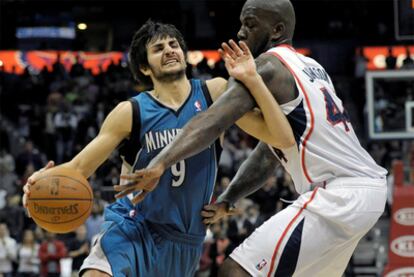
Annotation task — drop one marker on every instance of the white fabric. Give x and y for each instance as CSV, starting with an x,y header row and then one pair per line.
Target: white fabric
x,y
325,151
96,259
335,219
29,259
7,254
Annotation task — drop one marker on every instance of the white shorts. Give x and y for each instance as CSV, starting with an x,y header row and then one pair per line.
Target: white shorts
x,y
96,259
317,234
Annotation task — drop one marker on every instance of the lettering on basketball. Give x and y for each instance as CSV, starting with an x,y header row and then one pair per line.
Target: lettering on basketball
x,y
160,139
54,186
316,73
65,210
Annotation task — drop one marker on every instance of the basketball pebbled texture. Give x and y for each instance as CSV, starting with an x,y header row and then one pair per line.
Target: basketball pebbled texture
x,y
60,200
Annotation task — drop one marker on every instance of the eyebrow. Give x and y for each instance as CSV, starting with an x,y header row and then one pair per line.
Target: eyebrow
x,y
159,44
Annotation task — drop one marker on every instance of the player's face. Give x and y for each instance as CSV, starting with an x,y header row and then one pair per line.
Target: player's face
x,y
166,59
255,31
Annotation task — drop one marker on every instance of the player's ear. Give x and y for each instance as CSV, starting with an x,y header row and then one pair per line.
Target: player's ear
x,y
278,31
145,70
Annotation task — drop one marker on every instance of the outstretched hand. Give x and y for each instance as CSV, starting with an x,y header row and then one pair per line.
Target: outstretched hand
x,y
142,181
238,60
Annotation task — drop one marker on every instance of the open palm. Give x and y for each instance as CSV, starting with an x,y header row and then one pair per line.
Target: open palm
x,y
238,60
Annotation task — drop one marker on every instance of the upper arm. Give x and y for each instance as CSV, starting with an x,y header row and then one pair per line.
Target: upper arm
x,y
277,78
115,128
231,105
216,87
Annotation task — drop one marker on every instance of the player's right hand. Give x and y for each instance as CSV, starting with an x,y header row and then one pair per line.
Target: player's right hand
x,y
214,212
30,181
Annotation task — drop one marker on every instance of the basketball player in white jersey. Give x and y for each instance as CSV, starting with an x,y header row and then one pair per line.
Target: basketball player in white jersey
x,y
343,191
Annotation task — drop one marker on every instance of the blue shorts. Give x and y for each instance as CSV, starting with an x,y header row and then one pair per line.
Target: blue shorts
x,y
135,247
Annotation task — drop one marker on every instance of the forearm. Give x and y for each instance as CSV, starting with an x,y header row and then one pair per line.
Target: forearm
x,y
252,174
275,119
206,127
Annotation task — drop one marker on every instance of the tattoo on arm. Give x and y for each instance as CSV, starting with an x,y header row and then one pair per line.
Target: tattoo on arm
x,y
202,130
252,174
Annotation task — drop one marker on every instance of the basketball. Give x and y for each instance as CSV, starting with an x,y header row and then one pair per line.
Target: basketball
x,y
60,200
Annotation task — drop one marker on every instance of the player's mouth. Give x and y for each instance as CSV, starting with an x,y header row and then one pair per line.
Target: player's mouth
x,y
171,61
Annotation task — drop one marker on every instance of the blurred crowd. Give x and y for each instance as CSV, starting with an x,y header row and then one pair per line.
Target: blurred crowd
x,y
51,115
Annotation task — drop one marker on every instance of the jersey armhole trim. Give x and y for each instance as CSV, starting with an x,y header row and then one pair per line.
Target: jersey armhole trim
x,y
136,121
209,101
206,93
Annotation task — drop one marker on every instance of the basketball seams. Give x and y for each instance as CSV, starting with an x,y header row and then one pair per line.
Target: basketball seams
x,y
88,187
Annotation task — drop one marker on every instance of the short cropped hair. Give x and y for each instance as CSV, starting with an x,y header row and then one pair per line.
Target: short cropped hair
x,y
137,55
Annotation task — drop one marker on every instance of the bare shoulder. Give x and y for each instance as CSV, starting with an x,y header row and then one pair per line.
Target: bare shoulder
x,y
216,87
277,77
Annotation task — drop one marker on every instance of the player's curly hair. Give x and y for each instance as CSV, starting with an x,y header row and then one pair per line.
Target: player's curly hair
x,y
137,55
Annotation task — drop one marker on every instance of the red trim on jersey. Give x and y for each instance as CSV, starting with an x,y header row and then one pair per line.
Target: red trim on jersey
x,y
312,118
287,46
287,229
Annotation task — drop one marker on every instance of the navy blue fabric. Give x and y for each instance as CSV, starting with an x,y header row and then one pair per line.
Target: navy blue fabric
x,y
290,254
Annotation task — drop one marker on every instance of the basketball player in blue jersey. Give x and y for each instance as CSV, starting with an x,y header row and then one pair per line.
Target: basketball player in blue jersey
x,y
163,234
342,190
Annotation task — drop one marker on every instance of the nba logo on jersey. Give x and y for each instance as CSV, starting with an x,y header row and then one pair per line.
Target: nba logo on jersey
x,y
262,264
197,104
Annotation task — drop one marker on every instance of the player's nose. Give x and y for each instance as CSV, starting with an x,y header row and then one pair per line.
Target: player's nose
x,y
241,35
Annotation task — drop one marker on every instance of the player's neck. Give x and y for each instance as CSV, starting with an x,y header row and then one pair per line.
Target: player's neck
x,y
172,94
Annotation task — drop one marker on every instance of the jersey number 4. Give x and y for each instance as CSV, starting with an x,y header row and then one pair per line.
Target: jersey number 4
x,y
333,113
178,174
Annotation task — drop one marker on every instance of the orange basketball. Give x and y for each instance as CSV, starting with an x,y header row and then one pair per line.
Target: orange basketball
x,y
60,200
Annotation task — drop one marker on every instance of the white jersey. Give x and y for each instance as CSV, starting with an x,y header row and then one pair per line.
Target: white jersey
x,y
327,146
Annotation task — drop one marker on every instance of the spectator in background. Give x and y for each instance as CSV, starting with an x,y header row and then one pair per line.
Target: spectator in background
x,y
8,178
94,221
390,60
65,122
78,249
77,69
286,192
29,155
51,251
28,256
7,251
408,62
15,216
360,64
266,197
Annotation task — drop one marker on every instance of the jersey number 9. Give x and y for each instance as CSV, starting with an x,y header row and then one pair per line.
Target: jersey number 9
x,y
178,174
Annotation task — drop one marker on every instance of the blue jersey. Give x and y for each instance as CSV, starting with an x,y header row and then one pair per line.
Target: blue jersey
x,y
187,186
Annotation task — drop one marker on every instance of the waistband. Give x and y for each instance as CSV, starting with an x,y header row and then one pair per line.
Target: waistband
x,y
349,182
168,233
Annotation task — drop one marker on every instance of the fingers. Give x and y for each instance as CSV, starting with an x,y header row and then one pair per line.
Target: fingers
x,y
207,214
124,193
126,186
236,48
244,47
50,164
234,211
228,50
138,198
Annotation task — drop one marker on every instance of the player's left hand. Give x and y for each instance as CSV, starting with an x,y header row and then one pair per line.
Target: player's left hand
x,y
214,212
144,180
238,60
